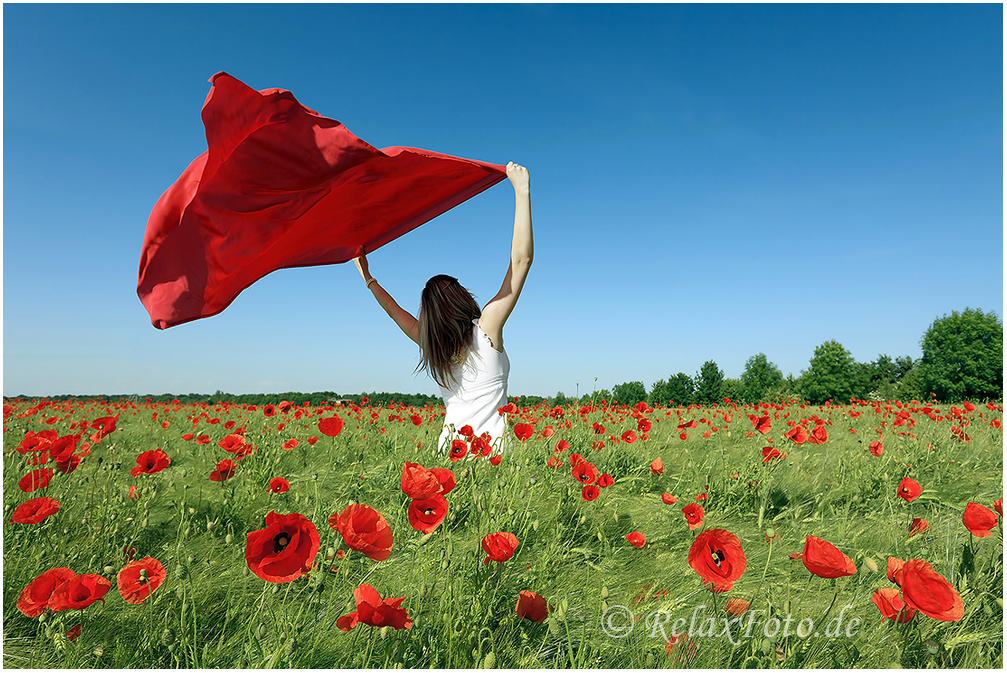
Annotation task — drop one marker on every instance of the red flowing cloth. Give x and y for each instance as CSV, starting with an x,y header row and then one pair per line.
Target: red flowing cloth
x,y
282,186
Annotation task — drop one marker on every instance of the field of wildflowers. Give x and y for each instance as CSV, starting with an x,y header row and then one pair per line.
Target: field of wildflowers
x,y
859,535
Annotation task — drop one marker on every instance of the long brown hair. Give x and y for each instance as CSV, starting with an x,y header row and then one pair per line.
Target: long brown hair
x,y
446,313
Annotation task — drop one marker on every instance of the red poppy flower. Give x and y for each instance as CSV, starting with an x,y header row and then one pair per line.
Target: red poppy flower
x,y
225,470
768,453
105,426
331,427
894,566
416,419
818,435
446,478
375,611
150,462
605,480
139,579
35,479
495,460
364,528
418,481
187,436
79,592
668,499
636,539
524,431
876,448
825,560
998,505
979,519
547,432
69,465
132,491
531,606
693,515
284,550
909,489
34,598
762,424
657,467
797,434
269,410
688,425
554,462
278,485
717,557
891,605
36,441
589,492
918,526
35,510
499,547
458,450
598,428
74,633
924,589
426,514
62,449
467,432
510,408
290,444
203,440
736,606
629,436
482,444
585,472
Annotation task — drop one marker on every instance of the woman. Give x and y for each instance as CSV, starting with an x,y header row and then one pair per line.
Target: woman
x,y
462,347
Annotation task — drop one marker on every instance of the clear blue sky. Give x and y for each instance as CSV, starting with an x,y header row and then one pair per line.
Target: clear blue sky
x,y
708,182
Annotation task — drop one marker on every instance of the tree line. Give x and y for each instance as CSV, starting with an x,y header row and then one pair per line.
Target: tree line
x,y
962,359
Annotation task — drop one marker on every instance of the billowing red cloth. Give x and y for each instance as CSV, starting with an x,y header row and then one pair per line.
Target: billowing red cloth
x,y
281,186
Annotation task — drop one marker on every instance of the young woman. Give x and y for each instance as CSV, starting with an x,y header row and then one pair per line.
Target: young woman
x,y
462,347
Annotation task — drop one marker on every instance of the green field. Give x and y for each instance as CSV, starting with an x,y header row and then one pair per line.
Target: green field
x,y
613,604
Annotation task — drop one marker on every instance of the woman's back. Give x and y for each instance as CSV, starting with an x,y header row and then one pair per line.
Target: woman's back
x,y
477,391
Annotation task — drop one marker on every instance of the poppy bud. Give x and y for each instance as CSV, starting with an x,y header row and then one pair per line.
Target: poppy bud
x,y
260,631
228,539
871,564
290,647
604,592
192,510
534,525
601,538
168,637
932,647
649,661
43,618
604,607
490,661
109,570
210,525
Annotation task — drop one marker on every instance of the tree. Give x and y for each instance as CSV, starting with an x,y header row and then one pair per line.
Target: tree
x,y
708,383
679,389
759,376
963,357
732,389
629,393
831,374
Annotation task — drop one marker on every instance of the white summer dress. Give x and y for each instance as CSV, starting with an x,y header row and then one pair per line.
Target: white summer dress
x,y
480,390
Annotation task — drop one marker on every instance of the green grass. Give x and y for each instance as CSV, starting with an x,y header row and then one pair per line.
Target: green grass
x,y
213,612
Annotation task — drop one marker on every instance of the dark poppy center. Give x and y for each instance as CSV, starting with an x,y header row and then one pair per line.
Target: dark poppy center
x,y
718,557
280,542
428,511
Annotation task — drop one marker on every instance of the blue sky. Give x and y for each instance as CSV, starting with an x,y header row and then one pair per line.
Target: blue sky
x,y
708,182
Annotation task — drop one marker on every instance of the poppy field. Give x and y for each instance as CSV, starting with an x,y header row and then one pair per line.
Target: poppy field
x,y
781,535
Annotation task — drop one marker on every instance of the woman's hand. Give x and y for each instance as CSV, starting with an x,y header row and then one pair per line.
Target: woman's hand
x,y
518,175
361,263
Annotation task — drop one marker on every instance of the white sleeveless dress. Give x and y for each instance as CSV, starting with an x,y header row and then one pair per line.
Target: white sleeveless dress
x,y
478,390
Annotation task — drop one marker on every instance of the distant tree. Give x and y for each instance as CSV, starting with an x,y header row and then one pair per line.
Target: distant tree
x,y
963,357
831,374
732,389
679,389
786,389
708,383
629,393
759,376
561,400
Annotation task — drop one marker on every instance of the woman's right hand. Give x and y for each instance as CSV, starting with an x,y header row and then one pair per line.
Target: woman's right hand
x,y
361,263
518,175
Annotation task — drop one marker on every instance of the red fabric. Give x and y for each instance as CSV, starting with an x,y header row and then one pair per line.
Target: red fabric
x,y
281,186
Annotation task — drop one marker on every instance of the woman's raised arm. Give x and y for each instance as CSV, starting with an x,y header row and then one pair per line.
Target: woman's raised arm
x,y
522,251
403,318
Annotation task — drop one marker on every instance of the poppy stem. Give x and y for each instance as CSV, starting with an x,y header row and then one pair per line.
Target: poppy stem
x,y
764,571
